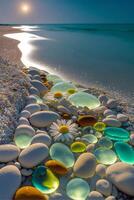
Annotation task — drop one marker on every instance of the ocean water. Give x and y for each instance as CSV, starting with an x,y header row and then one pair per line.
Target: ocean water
x,y
90,54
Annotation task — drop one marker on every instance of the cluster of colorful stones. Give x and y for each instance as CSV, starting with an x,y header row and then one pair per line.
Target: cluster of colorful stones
x,y
63,144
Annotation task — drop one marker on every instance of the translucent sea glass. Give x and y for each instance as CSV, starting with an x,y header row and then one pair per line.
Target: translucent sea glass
x,y
77,189
62,153
83,99
78,147
105,156
117,134
125,152
44,180
54,78
99,126
105,142
62,87
90,138
23,140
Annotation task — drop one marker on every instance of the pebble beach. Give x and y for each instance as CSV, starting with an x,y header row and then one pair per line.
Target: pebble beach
x,y
60,140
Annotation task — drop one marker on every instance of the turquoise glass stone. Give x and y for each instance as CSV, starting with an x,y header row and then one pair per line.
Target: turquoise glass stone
x,y
105,142
44,180
105,156
63,87
83,99
125,152
54,78
62,153
90,138
117,134
77,189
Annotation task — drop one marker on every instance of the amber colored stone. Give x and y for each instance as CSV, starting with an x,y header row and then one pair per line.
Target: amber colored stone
x,y
56,167
29,193
66,116
87,120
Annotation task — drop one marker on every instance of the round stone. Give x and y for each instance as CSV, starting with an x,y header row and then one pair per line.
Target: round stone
x,y
78,147
44,180
43,118
56,167
122,117
105,156
10,180
101,170
77,189
104,187
39,86
25,113
62,87
99,126
105,142
66,157
125,152
85,165
94,195
110,121
23,136
8,152
117,134
86,120
33,107
83,99
90,138
33,155
42,138
23,120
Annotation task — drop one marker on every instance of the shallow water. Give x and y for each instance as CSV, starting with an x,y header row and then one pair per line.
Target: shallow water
x,y
101,55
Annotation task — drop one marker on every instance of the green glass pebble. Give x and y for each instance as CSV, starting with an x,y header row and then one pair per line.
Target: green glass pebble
x,y
23,140
62,153
78,147
62,87
90,138
105,156
83,99
117,134
77,189
125,152
44,180
98,134
105,142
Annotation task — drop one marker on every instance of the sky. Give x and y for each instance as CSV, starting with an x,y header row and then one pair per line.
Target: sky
x,y
67,11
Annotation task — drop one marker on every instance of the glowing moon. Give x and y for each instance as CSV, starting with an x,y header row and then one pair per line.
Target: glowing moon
x,y
25,8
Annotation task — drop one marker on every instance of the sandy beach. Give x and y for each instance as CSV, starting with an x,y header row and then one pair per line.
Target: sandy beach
x,y
42,115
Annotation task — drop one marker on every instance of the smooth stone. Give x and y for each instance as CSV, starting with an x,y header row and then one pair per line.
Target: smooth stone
x,y
105,156
56,167
83,99
62,87
90,148
17,164
44,180
33,72
26,172
34,91
62,153
33,155
100,110
10,180
104,187
117,134
122,117
122,176
86,120
112,103
8,152
33,107
94,195
112,122
23,136
125,152
78,147
42,138
43,118
31,99
29,193
25,113
38,85
77,189
105,142
99,126
108,112
101,170
103,99
111,198
37,77
90,138
85,165
24,121
64,110
44,107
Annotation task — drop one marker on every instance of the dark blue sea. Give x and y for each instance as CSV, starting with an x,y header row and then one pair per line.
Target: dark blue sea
x,y
90,54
